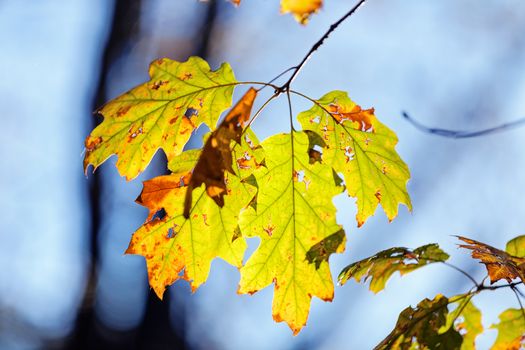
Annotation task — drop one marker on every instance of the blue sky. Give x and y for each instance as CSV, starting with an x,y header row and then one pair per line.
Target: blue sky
x,y
451,64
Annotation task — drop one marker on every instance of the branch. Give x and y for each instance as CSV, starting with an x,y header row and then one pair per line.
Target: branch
x,y
318,44
459,134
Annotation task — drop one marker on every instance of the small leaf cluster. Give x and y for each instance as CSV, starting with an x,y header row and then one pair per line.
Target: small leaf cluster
x,y
448,323
236,187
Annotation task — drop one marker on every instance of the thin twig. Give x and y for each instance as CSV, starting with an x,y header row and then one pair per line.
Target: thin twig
x,y
461,134
318,44
460,270
256,114
510,285
278,76
519,301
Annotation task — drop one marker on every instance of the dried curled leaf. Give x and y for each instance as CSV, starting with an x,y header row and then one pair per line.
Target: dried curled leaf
x,y
293,213
301,9
380,267
173,244
418,328
361,148
511,330
500,265
161,113
216,155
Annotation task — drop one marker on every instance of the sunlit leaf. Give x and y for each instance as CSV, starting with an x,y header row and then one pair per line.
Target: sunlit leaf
x,y
173,244
499,264
380,267
294,212
301,9
161,113
361,148
511,330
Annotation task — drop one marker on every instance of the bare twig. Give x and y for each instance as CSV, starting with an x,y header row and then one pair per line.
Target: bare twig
x,y
318,44
461,134
514,289
460,270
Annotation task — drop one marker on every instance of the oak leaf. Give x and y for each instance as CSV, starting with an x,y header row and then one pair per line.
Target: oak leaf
x,y
380,267
500,265
418,328
178,247
301,9
511,330
216,156
361,148
293,213
161,113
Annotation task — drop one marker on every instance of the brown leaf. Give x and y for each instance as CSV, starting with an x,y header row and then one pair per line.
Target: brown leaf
x,y
499,264
216,157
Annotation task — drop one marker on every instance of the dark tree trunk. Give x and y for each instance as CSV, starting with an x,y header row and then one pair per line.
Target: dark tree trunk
x,y
155,331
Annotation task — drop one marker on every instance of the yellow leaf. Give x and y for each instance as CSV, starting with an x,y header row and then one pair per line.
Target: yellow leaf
x,y
511,330
357,145
161,113
301,9
293,214
173,244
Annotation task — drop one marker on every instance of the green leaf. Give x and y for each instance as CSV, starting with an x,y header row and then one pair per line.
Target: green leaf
x,y
511,330
418,328
173,244
161,113
516,246
466,319
361,148
380,267
294,212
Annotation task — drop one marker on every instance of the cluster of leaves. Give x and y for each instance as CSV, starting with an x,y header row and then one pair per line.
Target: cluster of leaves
x,y
447,323
280,190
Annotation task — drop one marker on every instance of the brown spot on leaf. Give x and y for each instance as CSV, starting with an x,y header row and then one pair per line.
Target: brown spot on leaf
x,y
186,76
269,230
92,142
156,85
123,110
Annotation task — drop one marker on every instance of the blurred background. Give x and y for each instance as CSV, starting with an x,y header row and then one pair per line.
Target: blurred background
x,y
65,282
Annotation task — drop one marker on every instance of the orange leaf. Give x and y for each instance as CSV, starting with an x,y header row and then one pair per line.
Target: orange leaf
x,y
499,264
